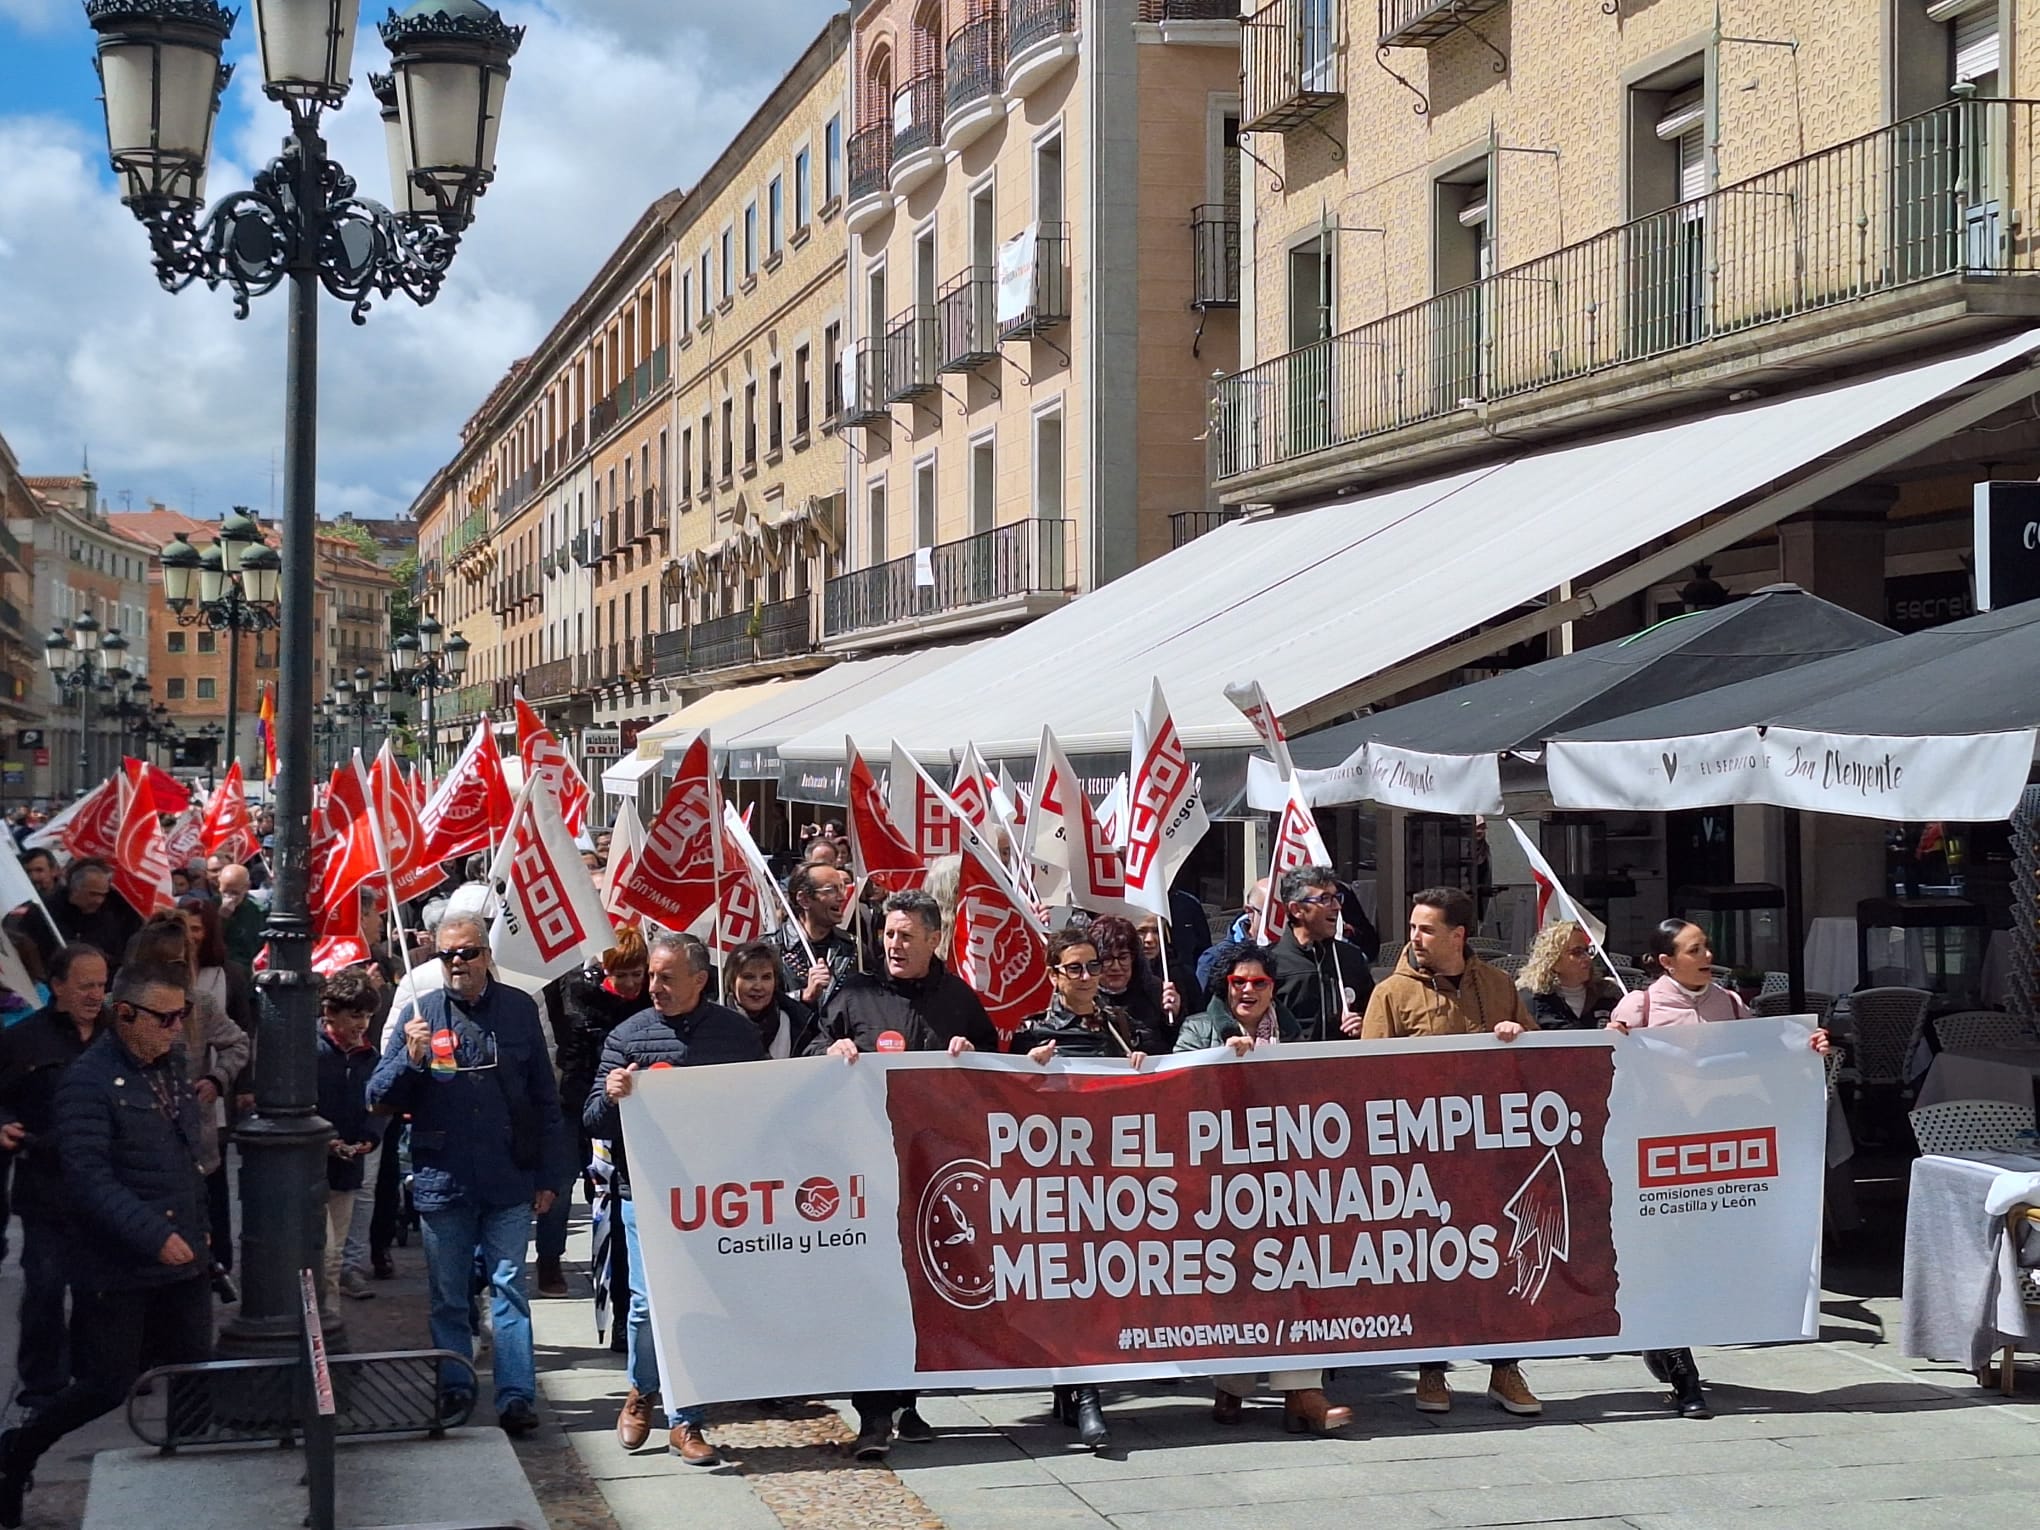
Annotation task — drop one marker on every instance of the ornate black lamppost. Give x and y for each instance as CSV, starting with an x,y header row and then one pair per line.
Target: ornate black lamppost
x,y
303,225
425,664
234,586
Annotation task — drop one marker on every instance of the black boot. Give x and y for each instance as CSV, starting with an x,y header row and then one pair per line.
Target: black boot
x,y
1089,1418
874,1436
1687,1397
15,1480
1064,1409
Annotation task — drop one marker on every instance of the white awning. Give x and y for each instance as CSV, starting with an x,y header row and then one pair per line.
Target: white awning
x,y
749,742
621,779
1332,608
704,711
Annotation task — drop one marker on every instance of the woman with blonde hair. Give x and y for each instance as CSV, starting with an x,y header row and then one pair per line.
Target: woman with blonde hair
x,y
1560,987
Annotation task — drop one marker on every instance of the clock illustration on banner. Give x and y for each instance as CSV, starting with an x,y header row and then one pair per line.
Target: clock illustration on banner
x,y
954,1230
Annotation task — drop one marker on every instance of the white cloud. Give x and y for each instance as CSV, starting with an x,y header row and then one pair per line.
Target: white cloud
x,y
609,106
36,15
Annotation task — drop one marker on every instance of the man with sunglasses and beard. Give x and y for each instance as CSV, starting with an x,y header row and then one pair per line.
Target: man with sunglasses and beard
x,y
127,1143
469,1064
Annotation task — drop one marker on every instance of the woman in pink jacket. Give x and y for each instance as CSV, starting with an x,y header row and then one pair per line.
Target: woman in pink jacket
x,y
1684,993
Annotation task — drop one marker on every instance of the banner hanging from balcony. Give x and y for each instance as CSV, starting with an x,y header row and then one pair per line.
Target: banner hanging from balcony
x,y
1377,1203
1016,276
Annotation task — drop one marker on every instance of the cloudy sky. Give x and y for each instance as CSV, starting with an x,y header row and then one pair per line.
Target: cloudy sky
x,y
611,103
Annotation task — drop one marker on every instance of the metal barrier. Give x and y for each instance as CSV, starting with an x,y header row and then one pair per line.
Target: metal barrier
x,y
244,1402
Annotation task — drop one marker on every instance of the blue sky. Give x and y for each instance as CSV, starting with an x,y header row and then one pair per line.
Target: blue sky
x,y
611,104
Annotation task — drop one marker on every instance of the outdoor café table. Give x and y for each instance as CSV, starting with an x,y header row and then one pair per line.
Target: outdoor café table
x,y
1948,1307
1983,1073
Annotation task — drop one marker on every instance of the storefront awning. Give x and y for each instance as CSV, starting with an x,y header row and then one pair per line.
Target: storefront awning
x,y
749,743
1338,607
706,712
622,778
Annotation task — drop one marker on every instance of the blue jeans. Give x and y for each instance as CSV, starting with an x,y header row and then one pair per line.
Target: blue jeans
x,y
452,1237
642,1359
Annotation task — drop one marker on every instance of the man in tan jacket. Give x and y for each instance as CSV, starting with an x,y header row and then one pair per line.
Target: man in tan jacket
x,y
1439,989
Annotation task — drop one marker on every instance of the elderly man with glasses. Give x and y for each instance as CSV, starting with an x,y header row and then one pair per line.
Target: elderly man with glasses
x,y
468,1063
127,1144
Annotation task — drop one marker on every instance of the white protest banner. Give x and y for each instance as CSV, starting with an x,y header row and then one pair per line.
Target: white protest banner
x,y
1349,1203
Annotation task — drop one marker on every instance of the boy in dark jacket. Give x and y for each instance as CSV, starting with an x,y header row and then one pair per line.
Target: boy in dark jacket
x,y
346,1063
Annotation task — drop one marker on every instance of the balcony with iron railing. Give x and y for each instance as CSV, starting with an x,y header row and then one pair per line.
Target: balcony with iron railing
x,y
1845,256
1041,299
549,681
1187,526
769,633
869,153
1040,35
1215,241
917,132
910,360
1420,23
1292,66
10,545
967,313
1009,572
1189,10
973,80
864,399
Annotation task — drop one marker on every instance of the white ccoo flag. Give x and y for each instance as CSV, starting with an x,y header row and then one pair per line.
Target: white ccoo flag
x,y
549,919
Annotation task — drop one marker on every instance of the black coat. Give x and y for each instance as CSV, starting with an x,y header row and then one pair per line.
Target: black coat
x,y
131,1174
838,952
35,1053
110,929
926,1012
1074,1038
706,1035
588,1013
343,1100
1552,1013
1308,980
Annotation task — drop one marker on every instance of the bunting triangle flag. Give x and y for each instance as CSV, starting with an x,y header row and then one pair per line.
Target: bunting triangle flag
x,y
882,853
229,828
470,809
549,918
672,879
141,861
1165,808
544,756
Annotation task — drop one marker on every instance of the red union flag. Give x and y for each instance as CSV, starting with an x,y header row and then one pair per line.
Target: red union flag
x,y
673,879
1165,812
229,830
998,948
402,846
171,794
94,828
544,757
470,809
935,823
746,903
971,787
343,841
626,842
549,918
884,856
1252,701
1297,843
141,862
1076,862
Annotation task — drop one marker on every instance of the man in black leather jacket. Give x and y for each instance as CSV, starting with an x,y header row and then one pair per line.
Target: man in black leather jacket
x,y
681,1030
128,1145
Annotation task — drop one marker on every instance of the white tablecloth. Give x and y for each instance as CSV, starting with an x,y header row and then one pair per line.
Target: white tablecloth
x,y
1831,956
1948,1310
1983,1073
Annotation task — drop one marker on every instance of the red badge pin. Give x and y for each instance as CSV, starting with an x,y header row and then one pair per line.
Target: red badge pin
x,y
892,1041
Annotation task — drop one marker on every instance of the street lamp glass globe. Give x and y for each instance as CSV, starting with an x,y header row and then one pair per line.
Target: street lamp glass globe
x,y
457,655
307,48
239,534
429,632
381,695
343,694
403,657
180,571
85,634
262,575
212,576
57,651
406,195
161,79
450,60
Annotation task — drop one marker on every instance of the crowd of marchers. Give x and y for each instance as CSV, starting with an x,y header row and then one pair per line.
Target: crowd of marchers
x,y
472,1109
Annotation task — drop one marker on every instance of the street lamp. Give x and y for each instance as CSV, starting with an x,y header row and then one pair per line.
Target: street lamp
x,y
302,224
361,698
234,586
82,666
425,663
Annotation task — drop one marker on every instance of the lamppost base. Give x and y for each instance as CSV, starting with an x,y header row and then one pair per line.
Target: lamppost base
x,y
283,1209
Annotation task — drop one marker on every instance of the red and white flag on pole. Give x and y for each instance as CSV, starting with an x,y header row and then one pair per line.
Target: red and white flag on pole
x,y
141,861
672,880
997,946
1554,903
1165,809
185,838
549,918
470,808
545,757
93,831
343,848
405,865
1074,861
229,828
626,843
933,821
971,787
171,794
747,907
1297,843
1248,696
884,855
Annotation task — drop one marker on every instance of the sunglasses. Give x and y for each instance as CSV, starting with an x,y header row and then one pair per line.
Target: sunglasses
x,y
463,953
166,1018
1080,969
1249,984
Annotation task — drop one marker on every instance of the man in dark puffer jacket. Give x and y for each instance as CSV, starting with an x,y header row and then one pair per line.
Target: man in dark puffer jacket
x,y
681,1030
127,1139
